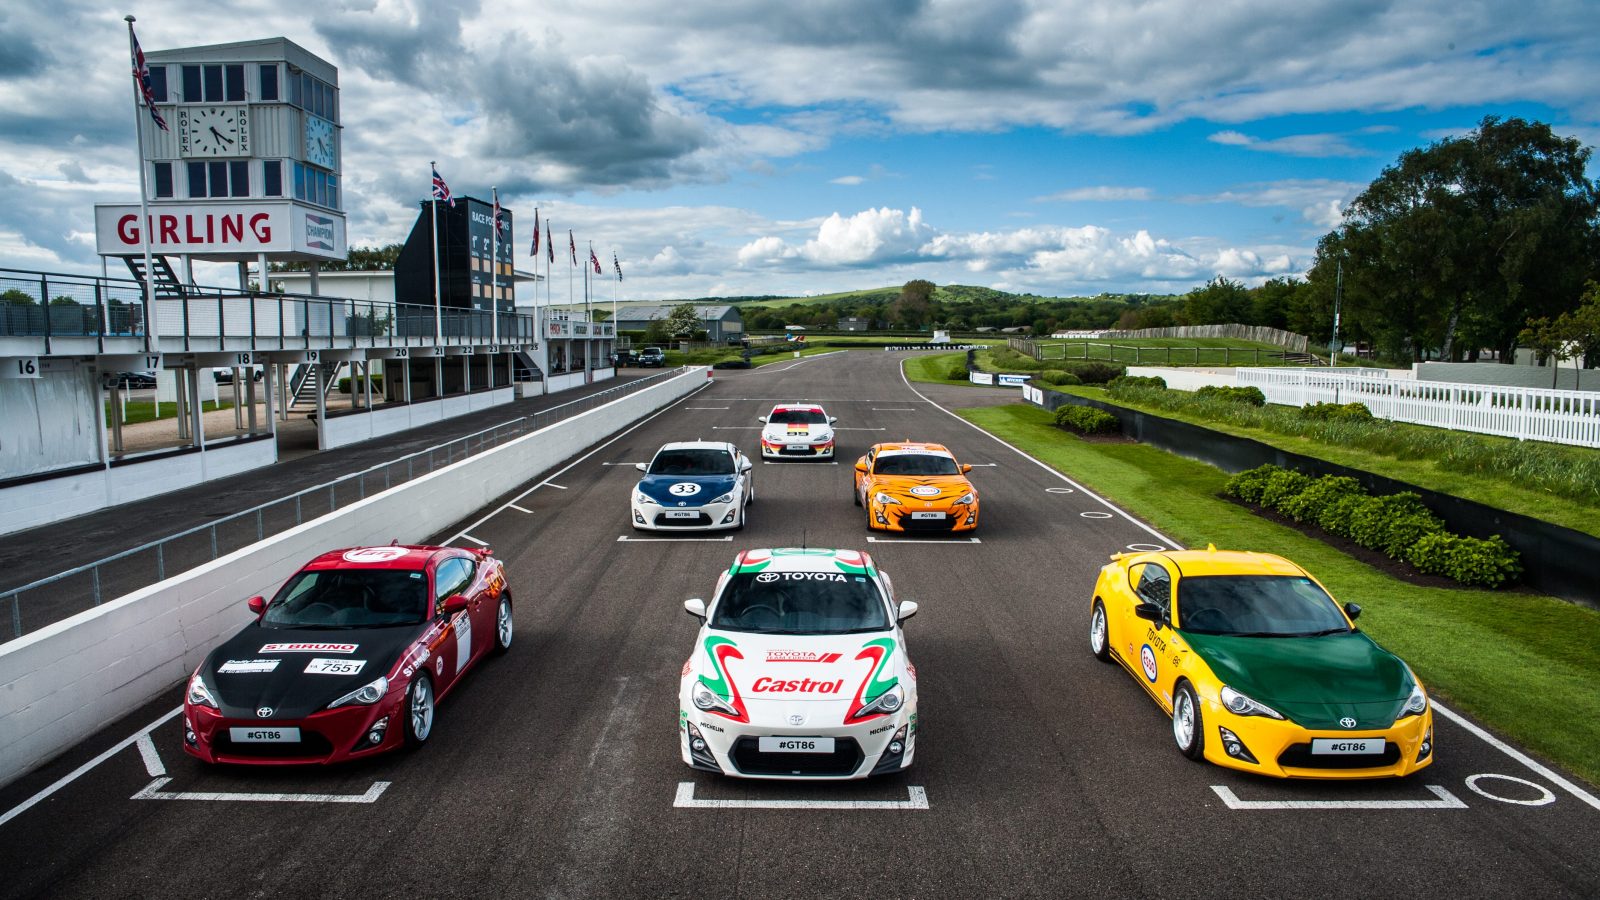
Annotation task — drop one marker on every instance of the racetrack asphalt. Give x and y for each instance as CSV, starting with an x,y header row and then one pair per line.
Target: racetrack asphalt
x,y
554,771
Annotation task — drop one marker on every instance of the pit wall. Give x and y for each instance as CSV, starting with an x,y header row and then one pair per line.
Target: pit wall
x,y
62,683
355,427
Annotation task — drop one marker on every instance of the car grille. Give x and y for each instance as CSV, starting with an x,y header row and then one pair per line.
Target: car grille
x,y
749,760
948,523
699,521
311,746
809,451
1299,756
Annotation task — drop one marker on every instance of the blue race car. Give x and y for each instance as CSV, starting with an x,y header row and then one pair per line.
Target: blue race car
x,y
693,486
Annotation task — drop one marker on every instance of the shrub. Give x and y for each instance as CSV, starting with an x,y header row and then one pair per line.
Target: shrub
x,y
958,372
1137,381
1339,515
1374,525
1471,561
1249,484
1058,377
1307,506
344,384
1086,419
1281,485
1095,372
1249,395
1336,412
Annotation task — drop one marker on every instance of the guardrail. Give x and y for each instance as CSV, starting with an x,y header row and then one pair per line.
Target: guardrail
x,y
82,587
1560,417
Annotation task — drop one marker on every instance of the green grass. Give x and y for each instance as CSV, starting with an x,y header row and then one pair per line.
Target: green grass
x,y
1167,351
931,368
1549,482
143,411
1524,665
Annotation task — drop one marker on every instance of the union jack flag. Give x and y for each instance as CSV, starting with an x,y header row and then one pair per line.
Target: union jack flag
x,y
441,191
572,245
594,261
616,265
141,78
499,223
549,245
535,251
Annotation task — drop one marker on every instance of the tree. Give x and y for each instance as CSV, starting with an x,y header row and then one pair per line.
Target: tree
x,y
1220,302
912,307
1460,241
14,297
683,319
359,259
1548,341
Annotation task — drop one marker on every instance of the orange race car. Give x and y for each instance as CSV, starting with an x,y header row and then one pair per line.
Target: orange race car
x,y
913,486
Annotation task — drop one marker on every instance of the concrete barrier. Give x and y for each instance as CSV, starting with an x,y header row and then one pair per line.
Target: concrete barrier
x,y
355,427
60,684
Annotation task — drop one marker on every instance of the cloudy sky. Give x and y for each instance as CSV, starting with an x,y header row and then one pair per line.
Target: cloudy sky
x,y
738,147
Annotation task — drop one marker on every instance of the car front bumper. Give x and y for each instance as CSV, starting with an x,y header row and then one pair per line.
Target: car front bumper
x,y
898,517
710,516
1282,749
715,743
797,450
327,736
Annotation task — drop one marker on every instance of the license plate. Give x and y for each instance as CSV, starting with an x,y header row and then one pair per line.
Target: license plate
x,y
927,515
264,735
321,666
799,446
797,745
1346,746
682,514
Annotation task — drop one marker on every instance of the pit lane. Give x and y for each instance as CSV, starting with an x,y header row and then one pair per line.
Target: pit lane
x,y
554,771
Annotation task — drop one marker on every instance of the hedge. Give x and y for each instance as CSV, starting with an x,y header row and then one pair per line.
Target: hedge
x,y
1096,372
1398,525
1137,381
1086,420
1248,395
1336,412
1059,377
344,383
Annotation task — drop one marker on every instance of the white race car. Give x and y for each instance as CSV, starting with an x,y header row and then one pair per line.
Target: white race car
x,y
693,486
799,670
797,431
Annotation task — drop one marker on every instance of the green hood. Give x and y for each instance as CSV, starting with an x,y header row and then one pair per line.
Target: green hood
x,y
1315,681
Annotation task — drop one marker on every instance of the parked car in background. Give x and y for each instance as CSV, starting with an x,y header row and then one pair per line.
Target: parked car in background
x,y
225,375
128,380
624,358
652,357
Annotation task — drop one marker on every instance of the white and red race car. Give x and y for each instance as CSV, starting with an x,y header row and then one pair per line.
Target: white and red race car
x,y
799,670
797,431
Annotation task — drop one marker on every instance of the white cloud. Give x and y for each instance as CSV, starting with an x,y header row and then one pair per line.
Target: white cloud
x,y
848,180
1294,144
870,236
1100,193
1319,201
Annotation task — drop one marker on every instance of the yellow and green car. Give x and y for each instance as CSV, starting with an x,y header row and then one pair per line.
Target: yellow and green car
x,y
1259,667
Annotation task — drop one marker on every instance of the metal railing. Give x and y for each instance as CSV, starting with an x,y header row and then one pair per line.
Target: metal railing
x,y
87,586
83,313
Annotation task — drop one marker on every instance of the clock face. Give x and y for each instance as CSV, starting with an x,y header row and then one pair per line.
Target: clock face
x,y
214,131
319,142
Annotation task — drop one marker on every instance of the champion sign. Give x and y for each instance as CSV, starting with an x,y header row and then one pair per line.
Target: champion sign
x,y
319,232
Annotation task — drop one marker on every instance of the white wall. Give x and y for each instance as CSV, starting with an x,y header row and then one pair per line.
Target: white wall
x,y
62,683
1509,376
352,428
48,423
50,500
1181,379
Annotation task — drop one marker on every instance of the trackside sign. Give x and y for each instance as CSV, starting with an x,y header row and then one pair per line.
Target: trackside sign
x,y
220,229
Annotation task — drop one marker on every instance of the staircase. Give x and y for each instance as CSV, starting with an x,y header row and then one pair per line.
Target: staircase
x,y
303,388
167,284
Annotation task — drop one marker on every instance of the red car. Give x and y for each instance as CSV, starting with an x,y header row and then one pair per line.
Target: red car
x,y
349,658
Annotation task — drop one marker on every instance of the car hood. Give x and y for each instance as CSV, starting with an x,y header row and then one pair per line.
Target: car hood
x,y
266,667
923,488
779,433
821,678
706,488
1315,681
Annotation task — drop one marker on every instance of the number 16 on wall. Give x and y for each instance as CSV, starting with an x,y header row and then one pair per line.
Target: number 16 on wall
x,y
20,367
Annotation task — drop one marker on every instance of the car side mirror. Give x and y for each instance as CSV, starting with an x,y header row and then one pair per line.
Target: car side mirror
x,y
965,468
1353,610
258,605
696,608
761,419
1149,611
833,420
454,603
746,465
908,608
641,467
861,467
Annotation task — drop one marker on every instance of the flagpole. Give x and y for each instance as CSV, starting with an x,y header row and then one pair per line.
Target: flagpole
x,y
588,346
538,326
494,270
438,314
151,333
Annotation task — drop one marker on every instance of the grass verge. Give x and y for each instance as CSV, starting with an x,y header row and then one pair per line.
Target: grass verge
x,y
1522,664
935,368
144,411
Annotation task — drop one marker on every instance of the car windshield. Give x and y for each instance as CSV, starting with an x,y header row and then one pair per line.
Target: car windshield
x,y
797,417
915,464
801,603
692,461
1257,606
350,598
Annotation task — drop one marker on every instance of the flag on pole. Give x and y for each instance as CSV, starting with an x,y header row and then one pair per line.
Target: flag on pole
x,y
441,191
535,251
549,245
594,261
141,77
499,223
616,265
572,245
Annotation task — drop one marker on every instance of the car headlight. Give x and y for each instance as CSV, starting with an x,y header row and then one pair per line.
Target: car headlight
x,y
725,498
885,499
1417,703
705,699
889,701
966,499
1240,705
199,693
641,498
366,695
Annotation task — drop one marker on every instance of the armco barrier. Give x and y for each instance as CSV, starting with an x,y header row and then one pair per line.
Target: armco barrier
x,y
60,684
1557,560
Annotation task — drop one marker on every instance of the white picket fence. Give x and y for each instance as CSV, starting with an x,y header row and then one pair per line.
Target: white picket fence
x,y
1560,417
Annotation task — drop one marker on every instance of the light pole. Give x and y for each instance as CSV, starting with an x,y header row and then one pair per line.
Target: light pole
x,y
1338,295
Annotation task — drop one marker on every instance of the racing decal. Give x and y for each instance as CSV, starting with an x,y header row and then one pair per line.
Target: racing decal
x,y
309,648
766,577
463,641
374,554
321,666
684,489
1147,659
805,656
247,666
688,666
439,665
852,563
752,561
416,665
923,490
879,651
720,650
766,685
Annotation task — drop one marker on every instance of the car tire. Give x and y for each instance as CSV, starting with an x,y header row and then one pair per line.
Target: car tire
x,y
856,496
738,521
418,715
1099,632
1188,729
504,627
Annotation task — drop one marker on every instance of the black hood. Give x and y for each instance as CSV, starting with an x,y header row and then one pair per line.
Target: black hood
x,y
243,677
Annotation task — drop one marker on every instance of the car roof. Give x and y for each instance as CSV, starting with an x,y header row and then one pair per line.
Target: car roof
x,y
1191,563
803,559
405,557
912,447
807,407
697,445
